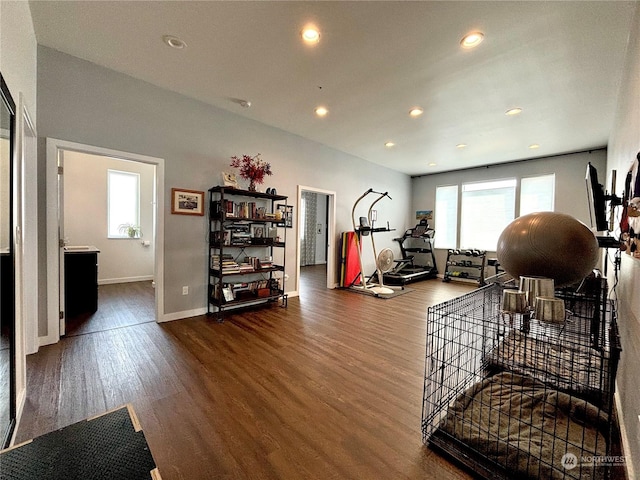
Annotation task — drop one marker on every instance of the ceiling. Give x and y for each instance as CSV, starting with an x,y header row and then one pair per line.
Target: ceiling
x,y
561,62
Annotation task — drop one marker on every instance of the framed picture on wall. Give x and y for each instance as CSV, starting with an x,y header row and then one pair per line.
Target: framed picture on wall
x,y
187,202
287,215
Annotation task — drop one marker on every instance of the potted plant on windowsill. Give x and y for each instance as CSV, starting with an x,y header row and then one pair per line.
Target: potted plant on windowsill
x,y
131,230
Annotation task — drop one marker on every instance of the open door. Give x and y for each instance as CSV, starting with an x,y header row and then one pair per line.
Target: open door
x,y
57,237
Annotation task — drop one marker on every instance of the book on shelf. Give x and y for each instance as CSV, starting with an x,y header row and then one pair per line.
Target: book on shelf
x,y
225,263
246,267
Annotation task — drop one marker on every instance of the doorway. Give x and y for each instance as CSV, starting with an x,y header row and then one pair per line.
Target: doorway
x,y
95,158
107,205
315,239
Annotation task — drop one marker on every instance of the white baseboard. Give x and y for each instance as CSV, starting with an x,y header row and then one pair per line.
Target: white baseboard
x,y
110,281
169,317
623,436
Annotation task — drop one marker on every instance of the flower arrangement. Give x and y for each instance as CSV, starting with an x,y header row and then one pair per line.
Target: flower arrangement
x,y
253,169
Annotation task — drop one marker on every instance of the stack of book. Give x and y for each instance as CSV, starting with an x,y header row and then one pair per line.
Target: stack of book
x,y
266,263
226,263
246,267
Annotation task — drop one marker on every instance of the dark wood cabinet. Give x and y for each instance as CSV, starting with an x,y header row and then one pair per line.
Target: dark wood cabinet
x,y
80,281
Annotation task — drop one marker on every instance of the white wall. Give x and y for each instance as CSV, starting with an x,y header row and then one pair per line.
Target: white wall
x,y
18,51
85,216
624,145
570,192
18,66
81,102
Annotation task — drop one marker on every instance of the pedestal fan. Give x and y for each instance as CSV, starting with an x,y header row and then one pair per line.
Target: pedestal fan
x,y
384,263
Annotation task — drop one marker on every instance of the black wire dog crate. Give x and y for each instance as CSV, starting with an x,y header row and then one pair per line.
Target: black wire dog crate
x,y
513,397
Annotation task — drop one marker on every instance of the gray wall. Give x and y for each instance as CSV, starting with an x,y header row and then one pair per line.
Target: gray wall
x,y
570,191
85,215
81,102
624,145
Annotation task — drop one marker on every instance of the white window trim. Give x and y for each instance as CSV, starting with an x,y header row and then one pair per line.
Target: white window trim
x,y
121,236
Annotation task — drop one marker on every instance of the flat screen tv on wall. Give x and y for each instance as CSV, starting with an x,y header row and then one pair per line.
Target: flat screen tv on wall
x,y
597,200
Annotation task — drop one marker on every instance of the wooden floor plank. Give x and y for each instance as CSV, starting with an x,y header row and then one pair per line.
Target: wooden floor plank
x,y
119,305
328,388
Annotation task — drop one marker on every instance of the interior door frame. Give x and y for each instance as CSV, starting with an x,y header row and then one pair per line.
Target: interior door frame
x,y
331,234
55,209
27,157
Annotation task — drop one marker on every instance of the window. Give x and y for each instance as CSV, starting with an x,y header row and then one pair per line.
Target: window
x,y
487,207
446,224
537,194
123,200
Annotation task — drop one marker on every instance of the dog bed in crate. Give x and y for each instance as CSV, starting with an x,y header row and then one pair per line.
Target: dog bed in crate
x,y
526,428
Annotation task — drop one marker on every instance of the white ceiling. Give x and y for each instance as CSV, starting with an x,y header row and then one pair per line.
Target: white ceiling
x,y
559,61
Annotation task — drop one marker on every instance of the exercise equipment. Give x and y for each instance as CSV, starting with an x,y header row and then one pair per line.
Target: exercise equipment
x,y
365,227
548,244
418,261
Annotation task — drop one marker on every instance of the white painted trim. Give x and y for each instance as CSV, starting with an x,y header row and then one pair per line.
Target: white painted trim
x,y
49,339
20,401
196,312
623,435
111,281
53,147
331,235
29,142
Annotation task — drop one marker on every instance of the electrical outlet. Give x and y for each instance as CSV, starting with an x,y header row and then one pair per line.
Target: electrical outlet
x,y
185,290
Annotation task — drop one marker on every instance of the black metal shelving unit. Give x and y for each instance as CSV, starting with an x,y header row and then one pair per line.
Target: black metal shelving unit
x,y
465,265
246,250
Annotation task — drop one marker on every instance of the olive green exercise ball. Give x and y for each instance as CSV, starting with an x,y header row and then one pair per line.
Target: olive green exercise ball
x,y
548,244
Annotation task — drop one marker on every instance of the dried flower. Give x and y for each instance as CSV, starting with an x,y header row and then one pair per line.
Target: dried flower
x,y
252,168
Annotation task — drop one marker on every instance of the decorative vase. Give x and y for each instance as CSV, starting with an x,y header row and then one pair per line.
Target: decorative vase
x,y
252,185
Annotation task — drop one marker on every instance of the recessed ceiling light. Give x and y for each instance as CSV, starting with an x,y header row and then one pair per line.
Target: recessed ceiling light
x,y
513,111
472,39
461,145
310,34
432,164
533,146
173,41
416,111
245,103
389,144
321,111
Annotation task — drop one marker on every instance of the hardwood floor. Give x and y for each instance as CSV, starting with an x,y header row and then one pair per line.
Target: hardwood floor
x,y
329,388
119,305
